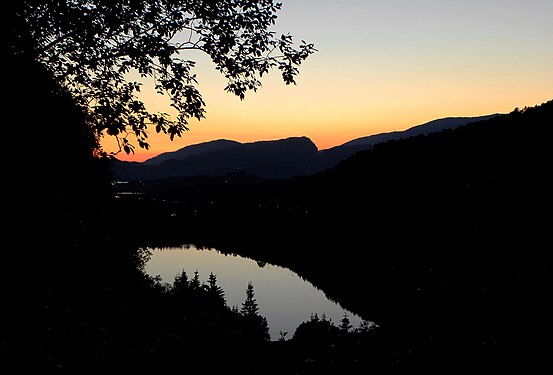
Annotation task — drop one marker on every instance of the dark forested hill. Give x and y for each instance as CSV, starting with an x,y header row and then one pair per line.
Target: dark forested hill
x,y
330,157
451,228
434,126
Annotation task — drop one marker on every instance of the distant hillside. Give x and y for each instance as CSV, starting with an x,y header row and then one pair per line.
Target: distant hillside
x,y
426,128
283,158
513,147
279,159
197,149
332,156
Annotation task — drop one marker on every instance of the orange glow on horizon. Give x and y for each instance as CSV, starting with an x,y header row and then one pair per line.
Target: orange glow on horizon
x,y
325,131
390,69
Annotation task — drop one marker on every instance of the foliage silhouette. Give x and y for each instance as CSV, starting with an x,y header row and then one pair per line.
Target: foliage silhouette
x,y
345,324
215,290
327,348
95,49
249,306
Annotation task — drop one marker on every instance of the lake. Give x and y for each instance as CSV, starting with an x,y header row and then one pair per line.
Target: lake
x,y
284,298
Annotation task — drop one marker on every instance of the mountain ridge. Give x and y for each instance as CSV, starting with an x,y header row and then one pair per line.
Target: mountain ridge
x,y
274,159
425,128
280,158
191,150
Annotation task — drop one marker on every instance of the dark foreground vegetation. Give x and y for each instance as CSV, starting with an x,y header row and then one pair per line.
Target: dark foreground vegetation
x,y
441,240
75,298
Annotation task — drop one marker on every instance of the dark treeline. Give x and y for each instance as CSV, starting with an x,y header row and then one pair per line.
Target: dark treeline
x,y
439,239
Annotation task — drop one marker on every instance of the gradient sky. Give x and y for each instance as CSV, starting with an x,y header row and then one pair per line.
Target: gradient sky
x,y
381,66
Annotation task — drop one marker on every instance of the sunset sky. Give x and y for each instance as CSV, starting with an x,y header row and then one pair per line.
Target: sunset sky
x,y
381,66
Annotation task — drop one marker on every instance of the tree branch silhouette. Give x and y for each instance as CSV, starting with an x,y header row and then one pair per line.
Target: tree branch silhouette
x,y
91,47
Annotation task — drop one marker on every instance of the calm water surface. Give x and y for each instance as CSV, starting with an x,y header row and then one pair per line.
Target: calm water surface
x,y
285,299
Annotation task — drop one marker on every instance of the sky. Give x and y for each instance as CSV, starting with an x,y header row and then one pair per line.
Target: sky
x,y
381,66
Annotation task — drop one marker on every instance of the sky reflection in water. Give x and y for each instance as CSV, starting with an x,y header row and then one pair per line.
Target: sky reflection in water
x,y
284,298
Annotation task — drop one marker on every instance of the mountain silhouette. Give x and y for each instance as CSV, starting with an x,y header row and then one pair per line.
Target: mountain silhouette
x,y
425,129
332,156
197,149
277,159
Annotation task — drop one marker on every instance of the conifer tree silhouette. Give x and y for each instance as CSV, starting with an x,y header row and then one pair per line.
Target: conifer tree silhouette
x,y
256,324
249,306
214,290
